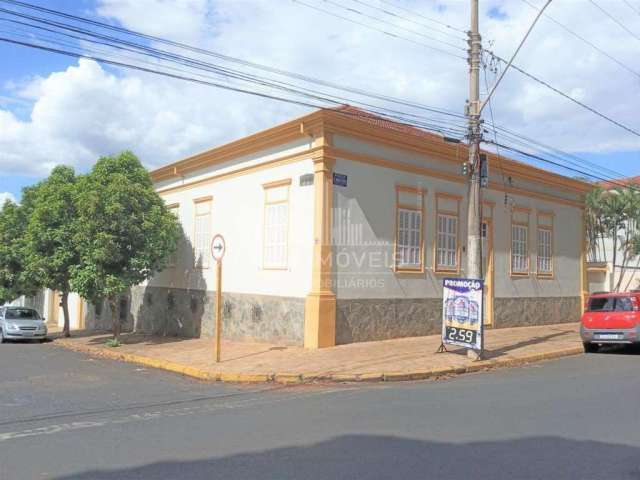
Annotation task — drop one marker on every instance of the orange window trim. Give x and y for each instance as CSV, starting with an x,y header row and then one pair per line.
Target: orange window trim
x,y
420,193
440,211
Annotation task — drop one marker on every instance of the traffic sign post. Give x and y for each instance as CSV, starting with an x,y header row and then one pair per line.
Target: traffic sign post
x,y
218,249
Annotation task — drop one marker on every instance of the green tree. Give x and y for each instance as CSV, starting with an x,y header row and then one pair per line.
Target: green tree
x,y
596,231
50,251
13,279
125,232
614,214
629,237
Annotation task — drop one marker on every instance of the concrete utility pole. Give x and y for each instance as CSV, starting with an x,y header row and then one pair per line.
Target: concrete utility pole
x,y
474,212
474,111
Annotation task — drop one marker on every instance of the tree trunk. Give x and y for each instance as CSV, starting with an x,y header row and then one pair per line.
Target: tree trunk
x,y
625,261
612,280
64,302
115,317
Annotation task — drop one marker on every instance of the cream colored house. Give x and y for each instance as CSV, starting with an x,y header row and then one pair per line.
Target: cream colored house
x,y
340,227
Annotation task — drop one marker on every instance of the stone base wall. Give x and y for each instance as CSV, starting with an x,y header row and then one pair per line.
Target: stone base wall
x,y
191,313
364,320
528,311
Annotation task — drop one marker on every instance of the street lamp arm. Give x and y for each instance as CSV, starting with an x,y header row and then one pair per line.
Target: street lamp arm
x,y
495,85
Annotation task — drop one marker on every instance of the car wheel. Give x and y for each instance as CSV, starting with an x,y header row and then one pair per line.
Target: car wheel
x,y
590,347
1,337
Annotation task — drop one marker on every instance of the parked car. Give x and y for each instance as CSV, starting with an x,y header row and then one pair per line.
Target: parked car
x,y
20,323
611,318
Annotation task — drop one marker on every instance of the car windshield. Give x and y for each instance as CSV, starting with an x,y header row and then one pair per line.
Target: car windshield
x,y
21,314
610,304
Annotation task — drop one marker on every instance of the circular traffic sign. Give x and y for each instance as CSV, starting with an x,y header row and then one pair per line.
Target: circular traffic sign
x,y
218,247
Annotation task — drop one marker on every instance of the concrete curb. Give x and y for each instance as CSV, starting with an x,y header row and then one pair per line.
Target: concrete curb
x,y
295,378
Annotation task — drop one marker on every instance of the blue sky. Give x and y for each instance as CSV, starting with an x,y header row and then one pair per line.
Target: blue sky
x,y
55,109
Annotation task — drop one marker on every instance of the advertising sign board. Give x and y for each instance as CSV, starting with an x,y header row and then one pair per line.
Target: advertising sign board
x,y
462,312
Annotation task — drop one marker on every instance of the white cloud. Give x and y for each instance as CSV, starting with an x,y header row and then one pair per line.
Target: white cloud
x,y
86,111
4,196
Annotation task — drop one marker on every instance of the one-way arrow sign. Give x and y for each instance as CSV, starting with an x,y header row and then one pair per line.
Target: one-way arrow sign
x,y
218,247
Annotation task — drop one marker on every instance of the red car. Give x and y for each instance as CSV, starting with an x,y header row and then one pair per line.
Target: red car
x,y
611,318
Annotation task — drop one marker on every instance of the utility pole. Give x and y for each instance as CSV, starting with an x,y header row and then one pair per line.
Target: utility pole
x,y
474,211
474,111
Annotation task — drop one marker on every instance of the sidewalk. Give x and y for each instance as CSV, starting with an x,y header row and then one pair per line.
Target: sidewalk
x,y
390,360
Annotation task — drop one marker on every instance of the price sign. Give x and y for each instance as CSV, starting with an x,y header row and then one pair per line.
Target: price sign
x,y
462,312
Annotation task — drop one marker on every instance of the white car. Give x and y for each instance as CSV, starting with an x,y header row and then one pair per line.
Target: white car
x,y
20,323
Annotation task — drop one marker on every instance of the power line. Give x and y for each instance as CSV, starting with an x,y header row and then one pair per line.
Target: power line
x,y
527,142
410,20
232,59
182,77
399,119
567,96
171,56
495,135
371,17
631,6
267,96
545,160
561,157
390,114
586,41
515,67
622,25
418,14
379,30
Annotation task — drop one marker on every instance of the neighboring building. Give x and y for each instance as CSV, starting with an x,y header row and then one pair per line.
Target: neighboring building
x,y
47,303
601,275
340,227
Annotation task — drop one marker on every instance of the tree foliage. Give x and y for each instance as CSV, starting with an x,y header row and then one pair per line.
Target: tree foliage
x,y
13,279
614,214
125,232
50,249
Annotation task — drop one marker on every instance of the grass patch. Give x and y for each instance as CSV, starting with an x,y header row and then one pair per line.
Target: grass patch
x,y
113,343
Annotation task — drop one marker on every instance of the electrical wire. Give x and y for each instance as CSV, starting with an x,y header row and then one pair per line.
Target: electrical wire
x,y
400,118
391,24
418,14
495,134
567,96
231,59
631,6
410,20
379,30
551,162
622,25
200,64
584,40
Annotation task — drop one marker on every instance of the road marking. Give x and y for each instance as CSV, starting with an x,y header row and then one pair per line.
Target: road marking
x,y
158,414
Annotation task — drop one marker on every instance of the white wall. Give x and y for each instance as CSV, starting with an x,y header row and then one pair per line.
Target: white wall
x,y
238,214
46,305
630,275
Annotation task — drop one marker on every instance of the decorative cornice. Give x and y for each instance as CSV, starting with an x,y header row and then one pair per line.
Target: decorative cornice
x,y
320,126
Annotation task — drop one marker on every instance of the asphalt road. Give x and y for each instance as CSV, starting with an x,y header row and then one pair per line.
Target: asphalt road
x,y
64,415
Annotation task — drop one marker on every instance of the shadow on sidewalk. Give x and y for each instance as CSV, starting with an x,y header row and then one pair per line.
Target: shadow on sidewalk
x,y
498,352
387,457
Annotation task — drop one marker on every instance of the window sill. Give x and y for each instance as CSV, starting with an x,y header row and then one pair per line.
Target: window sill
x,y
443,271
519,274
545,276
414,271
